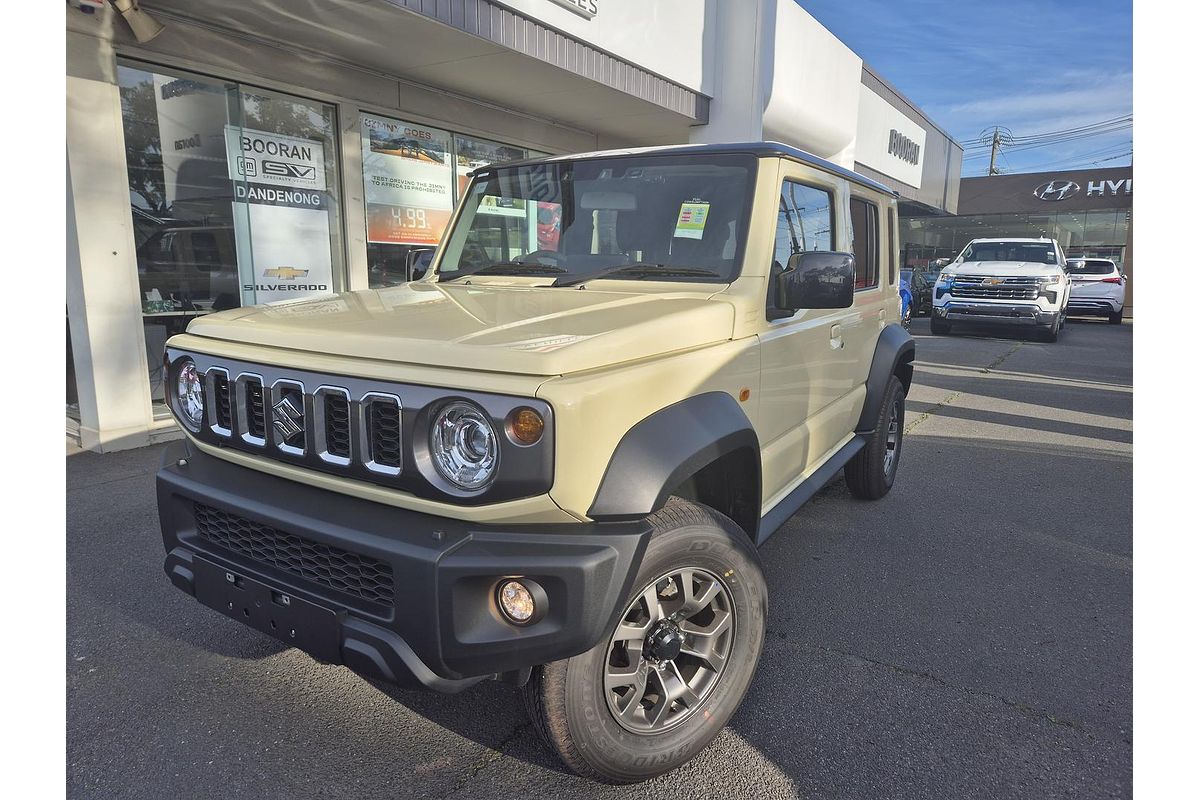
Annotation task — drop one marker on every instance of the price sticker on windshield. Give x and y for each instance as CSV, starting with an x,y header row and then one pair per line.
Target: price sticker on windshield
x,y
693,214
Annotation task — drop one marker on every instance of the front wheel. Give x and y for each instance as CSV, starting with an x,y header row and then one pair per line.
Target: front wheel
x,y
1050,334
662,684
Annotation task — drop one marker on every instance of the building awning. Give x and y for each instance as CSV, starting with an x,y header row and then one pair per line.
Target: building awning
x,y
475,48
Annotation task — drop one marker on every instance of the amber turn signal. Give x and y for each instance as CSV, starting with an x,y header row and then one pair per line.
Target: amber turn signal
x,y
525,426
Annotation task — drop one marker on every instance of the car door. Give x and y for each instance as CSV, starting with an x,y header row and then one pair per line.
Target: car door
x,y
801,374
873,243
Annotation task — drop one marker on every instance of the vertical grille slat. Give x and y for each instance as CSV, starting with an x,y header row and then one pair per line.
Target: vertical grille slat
x,y
224,407
380,433
256,422
251,420
337,426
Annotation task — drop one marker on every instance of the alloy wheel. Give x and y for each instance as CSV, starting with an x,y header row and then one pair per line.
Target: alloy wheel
x,y
892,446
669,650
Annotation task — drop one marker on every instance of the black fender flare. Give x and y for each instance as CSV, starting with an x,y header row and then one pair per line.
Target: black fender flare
x,y
894,354
666,448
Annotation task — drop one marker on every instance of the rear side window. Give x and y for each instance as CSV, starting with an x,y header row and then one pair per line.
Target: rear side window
x,y
864,224
1090,266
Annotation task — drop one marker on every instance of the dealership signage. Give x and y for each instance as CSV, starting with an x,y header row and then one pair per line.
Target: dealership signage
x,y
903,147
888,141
1063,189
280,214
584,8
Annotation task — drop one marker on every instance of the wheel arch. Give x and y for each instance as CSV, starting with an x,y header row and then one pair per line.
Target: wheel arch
x,y
894,354
703,449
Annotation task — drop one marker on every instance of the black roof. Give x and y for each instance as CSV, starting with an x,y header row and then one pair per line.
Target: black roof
x,y
770,149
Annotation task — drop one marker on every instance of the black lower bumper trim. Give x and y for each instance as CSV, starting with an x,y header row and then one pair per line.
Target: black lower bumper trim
x,y
441,630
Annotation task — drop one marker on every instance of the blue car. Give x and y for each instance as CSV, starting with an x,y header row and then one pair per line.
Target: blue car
x,y
906,300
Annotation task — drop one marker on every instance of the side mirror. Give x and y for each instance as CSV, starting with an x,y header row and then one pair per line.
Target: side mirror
x,y
816,280
417,261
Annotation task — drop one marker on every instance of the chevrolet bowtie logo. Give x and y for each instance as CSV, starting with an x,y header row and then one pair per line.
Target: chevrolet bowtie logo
x,y
285,273
992,281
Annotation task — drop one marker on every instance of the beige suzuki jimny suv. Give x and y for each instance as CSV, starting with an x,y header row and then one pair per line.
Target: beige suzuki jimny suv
x,y
551,461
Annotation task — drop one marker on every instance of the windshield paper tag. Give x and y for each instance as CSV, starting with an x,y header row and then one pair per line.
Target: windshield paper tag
x,y
692,216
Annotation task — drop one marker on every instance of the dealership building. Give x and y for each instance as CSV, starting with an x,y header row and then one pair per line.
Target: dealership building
x,y
270,150
1089,212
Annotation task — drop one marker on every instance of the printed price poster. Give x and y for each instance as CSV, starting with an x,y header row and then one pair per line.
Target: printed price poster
x,y
281,215
409,181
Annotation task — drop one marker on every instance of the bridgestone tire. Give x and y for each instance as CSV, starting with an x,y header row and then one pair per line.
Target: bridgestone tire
x,y
866,475
938,326
566,701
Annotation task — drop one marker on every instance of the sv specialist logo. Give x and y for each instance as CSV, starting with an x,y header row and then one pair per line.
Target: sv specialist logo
x,y
1056,190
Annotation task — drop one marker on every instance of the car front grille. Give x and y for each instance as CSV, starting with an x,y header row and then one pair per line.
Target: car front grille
x,y
353,574
1008,288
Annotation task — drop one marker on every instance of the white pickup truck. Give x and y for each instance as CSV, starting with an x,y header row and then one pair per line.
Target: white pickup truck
x,y
1004,282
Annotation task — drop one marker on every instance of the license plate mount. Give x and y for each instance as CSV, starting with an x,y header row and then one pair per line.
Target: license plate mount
x,y
284,616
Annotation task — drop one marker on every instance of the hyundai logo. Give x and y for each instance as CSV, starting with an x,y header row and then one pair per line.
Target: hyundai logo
x,y
1056,190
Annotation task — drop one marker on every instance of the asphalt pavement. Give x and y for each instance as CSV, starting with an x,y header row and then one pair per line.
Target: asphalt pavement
x,y
967,636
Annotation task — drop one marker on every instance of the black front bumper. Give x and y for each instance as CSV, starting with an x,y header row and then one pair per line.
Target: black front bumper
x,y
294,568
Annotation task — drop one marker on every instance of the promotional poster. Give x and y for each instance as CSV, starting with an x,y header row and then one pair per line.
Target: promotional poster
x,y
408,177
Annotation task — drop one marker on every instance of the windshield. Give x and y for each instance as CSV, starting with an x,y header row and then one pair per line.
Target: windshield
x,y
1091,266
673,217
906,275
1039,252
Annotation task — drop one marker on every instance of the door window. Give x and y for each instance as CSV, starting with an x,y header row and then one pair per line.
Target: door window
x,y
804,225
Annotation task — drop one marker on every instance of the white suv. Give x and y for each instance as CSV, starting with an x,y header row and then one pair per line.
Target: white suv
x,y
1005,282
1097,289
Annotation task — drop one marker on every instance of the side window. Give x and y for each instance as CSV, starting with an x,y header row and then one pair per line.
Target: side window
x,y
891,245
864,226
805,225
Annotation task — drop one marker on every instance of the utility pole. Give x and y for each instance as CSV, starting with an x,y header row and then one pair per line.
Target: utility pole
x,y
992,170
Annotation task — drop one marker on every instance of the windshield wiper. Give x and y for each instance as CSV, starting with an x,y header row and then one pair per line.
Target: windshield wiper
x,y
509,268
638,271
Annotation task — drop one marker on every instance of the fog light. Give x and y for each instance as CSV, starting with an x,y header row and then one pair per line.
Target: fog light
x,y
517,602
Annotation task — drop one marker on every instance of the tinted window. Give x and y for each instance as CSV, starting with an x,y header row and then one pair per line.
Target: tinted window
x,y
906,275
1011,251
1091,266
864,222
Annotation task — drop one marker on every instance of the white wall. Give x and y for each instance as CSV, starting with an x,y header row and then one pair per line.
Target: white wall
x,y
813,91
665,37
877,118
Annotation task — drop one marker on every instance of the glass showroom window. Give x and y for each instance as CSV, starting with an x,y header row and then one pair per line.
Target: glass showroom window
x,y
233,194
412,176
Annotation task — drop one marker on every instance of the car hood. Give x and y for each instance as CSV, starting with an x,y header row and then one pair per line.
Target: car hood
x,y
1002,268
519,329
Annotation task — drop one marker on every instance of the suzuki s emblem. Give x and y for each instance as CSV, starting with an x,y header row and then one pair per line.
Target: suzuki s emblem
x,y
285,273
992,281
1056,190
286,419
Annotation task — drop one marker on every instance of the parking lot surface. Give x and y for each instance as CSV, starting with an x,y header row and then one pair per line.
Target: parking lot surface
x,y
967,636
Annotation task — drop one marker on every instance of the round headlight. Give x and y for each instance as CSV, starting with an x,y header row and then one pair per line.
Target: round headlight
x,y
189,396
463,445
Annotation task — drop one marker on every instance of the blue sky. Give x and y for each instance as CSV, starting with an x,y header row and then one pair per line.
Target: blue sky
x,y
1031,65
